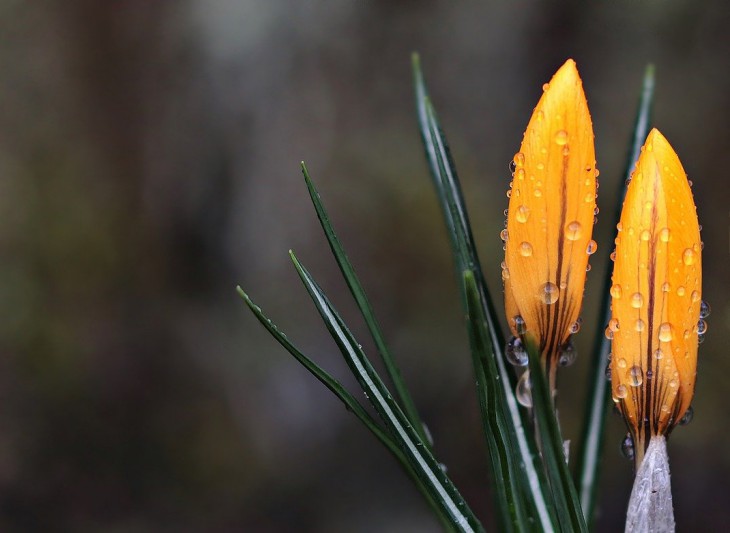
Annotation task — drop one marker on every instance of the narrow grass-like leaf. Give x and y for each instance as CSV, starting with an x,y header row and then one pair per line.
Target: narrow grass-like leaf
x,y
599,391
351,404
519,457
424,464
511,506
353,283
565,496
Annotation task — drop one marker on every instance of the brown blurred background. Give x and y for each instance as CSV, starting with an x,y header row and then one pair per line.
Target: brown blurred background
x,y
149,159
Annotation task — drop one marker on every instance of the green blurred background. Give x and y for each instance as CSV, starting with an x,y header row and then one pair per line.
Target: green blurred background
x,y
149,159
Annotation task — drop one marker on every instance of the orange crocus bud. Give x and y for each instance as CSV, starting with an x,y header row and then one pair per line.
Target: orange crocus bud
x,y
550,222
656,296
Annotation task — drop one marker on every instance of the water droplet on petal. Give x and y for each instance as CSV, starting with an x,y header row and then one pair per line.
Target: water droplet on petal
x,y
515,352
613,324
561,137
608,333
519,159
627,447
573,231
704,309
645,235
520,325
523,390
613,256
666,287
504,235
635,376
621,363
689,257
640,325
658,354
575,326
664,235
695,297
637,300
665,332
622,391
592,247
525,249
687,416
537,193
701,327
608,372
567,354
548,293
681,291
545,86
616,291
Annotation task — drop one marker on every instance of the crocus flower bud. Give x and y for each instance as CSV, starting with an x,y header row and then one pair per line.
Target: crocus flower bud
x,y
550,222
656,296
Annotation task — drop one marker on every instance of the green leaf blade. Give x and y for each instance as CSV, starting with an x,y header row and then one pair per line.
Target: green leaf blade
x,y
492,374
426,467
363,304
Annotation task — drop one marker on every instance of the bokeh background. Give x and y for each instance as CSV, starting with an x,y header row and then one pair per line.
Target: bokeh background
x,y
149,158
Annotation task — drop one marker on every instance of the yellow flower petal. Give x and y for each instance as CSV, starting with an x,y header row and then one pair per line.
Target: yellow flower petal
x,y
656,296
550,218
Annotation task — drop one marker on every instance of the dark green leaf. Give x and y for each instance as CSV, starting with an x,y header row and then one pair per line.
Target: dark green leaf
x,y
565,497
353,283
512,455
419,456
350,402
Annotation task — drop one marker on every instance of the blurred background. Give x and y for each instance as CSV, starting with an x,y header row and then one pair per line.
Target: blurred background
x,y
149,162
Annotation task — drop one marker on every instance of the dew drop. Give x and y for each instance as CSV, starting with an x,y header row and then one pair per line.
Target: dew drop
x,y
701,327
658,354
523,390
637,300
704,309
573,231
687,416
613,324
666,287
608,372
504,235
588,268
545,86
512,167
664,235
505,274
520,174
616,291
515,352
592,247
522,214
537,193
608,333
665,332
689,257
567,354
575,326
519,159
622,391
645,235
561,137
525,249
700,339
673,383
613,256
627,447
681,291
635,376
548,293
520,325
640,325
619,226
696,298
